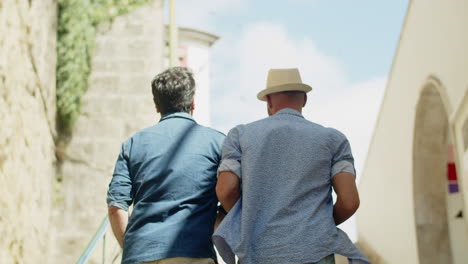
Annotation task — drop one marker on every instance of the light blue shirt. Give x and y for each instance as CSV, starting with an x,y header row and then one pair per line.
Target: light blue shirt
x,y
285,213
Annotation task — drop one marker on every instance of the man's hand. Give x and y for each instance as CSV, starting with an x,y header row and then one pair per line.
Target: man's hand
x,y
219,218
347,201
228,189
118,219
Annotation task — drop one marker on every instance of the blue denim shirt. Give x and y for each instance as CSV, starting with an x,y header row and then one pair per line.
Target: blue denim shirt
x,y
168,173
285,213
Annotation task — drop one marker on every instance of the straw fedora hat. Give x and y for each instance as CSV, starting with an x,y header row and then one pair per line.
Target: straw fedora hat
x,y
282,80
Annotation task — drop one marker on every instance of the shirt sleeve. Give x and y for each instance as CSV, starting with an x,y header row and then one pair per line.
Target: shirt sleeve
x,y
119,193
343,160
231,153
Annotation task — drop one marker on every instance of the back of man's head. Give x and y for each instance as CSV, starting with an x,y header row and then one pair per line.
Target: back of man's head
x,y
173,90
287,99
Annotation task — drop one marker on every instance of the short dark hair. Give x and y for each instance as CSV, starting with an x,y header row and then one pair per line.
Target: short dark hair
x,y
173,90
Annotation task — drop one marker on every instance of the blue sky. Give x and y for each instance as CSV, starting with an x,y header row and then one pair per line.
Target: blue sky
x,y
343,49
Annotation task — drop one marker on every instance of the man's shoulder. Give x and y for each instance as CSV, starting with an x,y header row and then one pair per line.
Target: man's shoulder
x,y
211,132
150,129
330,131
329,134
256,123
271,122
135,137
335,133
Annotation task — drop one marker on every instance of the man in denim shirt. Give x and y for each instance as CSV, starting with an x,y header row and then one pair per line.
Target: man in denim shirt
x,y
275,181
168,173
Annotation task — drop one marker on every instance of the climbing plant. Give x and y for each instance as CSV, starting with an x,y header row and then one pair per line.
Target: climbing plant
x,y
77,21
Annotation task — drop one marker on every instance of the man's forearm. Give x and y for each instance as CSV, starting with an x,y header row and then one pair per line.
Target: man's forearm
x,y
228,201
118,219
342,212
228,189
347,196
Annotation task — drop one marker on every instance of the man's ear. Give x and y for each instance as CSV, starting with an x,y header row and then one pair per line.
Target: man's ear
x,y
157,110
305,99
268,99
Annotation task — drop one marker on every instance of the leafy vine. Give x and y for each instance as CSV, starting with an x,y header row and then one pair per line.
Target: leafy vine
x,y
77,21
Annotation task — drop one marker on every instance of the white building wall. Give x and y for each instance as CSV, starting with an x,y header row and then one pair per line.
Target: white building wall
x,y
198,60
434,43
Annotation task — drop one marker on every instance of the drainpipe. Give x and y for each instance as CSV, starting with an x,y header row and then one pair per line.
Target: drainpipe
x,y
173,34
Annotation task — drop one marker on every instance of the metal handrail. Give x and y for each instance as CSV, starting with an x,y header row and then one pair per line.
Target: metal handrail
x,y
100,234
117,252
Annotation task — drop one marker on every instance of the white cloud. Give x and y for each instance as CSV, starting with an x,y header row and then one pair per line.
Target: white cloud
x,y
250,55
240,65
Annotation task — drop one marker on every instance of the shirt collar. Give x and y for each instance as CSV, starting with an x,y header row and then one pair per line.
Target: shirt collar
x,y
177,115
289,111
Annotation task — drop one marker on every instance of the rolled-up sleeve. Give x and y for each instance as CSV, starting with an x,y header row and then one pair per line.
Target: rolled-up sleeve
x,y
343,160
119,193
231,153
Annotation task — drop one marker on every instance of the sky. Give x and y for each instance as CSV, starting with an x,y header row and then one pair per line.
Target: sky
x,y
343,49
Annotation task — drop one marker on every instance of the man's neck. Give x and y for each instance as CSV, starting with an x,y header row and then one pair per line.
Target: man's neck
x,y
182,112
294,107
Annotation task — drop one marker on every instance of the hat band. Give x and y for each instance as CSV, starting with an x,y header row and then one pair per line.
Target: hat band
x,y
300,87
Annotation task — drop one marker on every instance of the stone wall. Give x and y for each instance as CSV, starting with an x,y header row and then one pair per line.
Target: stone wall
x,y
27,114
118,103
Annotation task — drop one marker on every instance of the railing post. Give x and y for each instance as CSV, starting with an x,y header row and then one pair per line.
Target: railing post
x,y
104,249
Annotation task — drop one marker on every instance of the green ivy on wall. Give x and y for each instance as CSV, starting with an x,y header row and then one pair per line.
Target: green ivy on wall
x,y
77,21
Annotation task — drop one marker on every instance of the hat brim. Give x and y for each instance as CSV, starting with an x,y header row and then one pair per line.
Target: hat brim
x,y
300,87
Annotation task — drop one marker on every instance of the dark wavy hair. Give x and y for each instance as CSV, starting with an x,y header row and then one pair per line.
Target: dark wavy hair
x,y
173,90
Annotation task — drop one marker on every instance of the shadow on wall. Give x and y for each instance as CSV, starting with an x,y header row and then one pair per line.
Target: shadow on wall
x,y
367,250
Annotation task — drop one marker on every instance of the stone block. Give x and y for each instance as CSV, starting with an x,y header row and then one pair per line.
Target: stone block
x,y
136,83
80,150
104,47
95,127
92,104
133,29
137,105
128,66
103,84
84,187
105,154
101,65
141,48
101,106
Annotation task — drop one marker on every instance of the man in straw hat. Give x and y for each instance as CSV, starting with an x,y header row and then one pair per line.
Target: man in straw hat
x,y
275,180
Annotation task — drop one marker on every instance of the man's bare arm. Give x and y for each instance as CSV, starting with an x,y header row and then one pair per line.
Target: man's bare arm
x,y
118,219
228,189
347,201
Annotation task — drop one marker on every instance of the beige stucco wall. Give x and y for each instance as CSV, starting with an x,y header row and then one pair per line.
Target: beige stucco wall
x,y
433,43
27,114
